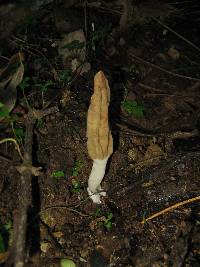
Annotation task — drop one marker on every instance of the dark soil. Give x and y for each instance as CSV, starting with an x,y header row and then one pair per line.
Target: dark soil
x,y
156,158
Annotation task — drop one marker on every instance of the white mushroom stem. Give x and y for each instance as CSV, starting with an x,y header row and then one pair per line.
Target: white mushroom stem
x,y
95,179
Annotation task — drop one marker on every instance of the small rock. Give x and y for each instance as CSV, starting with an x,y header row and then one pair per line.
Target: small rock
x,y
133,154
58,234
45,246
173,53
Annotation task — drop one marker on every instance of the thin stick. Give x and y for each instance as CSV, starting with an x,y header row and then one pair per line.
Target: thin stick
x,y
177,205
177,34
18,249
160,91
85,19
16,145
145,161
164,70
62,207
4,158
28,47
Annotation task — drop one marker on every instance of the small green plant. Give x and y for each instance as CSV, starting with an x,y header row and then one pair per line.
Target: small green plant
x,y
5,234
107,219
45,87
4,112
77,167
133,108
97,212
76,186
65,76
19,134
11,119
39,123
25,83
58,174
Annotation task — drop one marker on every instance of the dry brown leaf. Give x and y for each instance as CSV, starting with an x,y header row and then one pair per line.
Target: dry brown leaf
x,y
72,49
9,68
10,77
153,151
3,257
170,103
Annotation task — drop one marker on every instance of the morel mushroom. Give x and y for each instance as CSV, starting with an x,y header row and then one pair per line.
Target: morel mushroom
x,y
100,142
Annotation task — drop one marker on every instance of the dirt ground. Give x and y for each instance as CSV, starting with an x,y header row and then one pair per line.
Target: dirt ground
x,y
152,64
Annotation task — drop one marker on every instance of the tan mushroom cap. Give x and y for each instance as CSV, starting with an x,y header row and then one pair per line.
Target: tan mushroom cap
x,y
100,142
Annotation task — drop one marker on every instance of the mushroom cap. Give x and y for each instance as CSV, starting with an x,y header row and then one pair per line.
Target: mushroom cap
x,y
100,142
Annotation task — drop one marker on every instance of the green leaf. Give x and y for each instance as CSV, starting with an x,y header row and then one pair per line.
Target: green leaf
x,y
67,263
108,225
97,212
8,225
24,83
133,108
4,113
1,105
58,174
19,132
109,216
65,76
76,186
46,86
77,167
39,123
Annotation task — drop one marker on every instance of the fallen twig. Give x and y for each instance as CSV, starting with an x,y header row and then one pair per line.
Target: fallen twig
x,y
16,145
177,205
177,34
161,91
164,70
61,206
158,171
18,249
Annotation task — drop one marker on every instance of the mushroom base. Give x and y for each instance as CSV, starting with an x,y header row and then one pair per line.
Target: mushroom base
x,y
96,176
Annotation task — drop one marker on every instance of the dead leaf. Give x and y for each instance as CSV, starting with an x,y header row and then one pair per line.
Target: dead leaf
x,y
10,77
170,104
72,48
3,257
153,150
13,61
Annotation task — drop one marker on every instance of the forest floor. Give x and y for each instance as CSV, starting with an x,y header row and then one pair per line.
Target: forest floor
x,y
154,78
